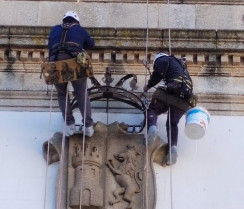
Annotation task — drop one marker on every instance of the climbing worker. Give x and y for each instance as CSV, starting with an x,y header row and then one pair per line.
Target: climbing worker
x,y
173,97
65,42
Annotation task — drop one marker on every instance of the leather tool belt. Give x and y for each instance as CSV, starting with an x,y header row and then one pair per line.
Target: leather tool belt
x,y
67,70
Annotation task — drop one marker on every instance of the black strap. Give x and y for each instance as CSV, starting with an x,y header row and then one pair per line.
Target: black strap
x,y
65,28
184,79
164,74
63,36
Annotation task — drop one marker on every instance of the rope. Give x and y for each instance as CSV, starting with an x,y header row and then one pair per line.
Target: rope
x,y
169,30
170,159
83,146
107,110
59,196
169,115
48,146
146,125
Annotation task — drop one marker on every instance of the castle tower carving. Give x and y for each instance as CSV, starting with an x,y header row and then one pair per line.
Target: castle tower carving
x,y
87,186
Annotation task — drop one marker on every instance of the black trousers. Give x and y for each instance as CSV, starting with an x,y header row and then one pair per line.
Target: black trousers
x,y
156,108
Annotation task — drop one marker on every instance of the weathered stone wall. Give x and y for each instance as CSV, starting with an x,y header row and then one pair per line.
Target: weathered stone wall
x,y
208,32
215,60
122,14
222,2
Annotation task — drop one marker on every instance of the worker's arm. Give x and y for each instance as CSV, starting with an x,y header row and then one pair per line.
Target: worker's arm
x,y
158,74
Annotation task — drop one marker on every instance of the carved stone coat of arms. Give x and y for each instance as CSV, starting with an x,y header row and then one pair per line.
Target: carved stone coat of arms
x,y
110,170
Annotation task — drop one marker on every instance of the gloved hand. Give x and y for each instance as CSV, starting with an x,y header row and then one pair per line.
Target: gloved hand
x,y
192,100
145,88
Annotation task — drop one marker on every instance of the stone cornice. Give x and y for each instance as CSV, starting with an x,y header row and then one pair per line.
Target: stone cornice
x,y
219,2
121,38
215,61
209,52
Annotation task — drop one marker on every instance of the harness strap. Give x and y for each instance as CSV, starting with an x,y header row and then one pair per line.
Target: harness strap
x,y
62,46
63,36
187,82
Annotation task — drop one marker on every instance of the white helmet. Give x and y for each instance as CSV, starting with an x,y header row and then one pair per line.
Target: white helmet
x,y
159,55
71,14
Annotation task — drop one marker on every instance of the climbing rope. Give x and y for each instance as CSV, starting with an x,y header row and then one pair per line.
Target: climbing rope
x,y
48,147
60,175
146,64
170,159
169,115
169,29
83,146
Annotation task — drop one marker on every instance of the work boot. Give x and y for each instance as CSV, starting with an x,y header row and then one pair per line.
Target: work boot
x,y
151,134
89,131
174,156
70,130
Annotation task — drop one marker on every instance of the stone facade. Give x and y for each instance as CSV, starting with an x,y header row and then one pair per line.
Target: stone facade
x,y
112,172
181,14
156,1
215,61
213,46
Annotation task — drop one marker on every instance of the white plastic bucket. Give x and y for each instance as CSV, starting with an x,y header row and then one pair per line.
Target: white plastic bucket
x,y
197,120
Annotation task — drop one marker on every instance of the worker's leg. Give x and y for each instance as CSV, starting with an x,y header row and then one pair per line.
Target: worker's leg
x,y
81,96
61,93
155,108
151,116
175,116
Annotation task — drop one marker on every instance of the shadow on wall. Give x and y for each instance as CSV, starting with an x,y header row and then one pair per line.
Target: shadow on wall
x,y
11,59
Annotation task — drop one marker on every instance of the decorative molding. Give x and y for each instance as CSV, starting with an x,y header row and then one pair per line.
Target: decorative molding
x,y
29,60
211,55
217,104
220,2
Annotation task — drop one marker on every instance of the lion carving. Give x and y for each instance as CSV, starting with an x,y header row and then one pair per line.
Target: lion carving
x,y
126,176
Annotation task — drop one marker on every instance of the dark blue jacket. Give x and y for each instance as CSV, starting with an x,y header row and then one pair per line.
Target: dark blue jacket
x,y
76,34
165,68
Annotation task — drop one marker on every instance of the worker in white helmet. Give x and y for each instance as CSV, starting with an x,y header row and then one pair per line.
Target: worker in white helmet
x,y
66,41
174,97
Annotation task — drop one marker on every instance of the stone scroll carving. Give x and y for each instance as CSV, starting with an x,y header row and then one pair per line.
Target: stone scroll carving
x,y
111,173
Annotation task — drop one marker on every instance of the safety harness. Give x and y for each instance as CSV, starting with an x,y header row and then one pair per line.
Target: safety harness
x,y
60,71
181,85
184,79
177,91
65,47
